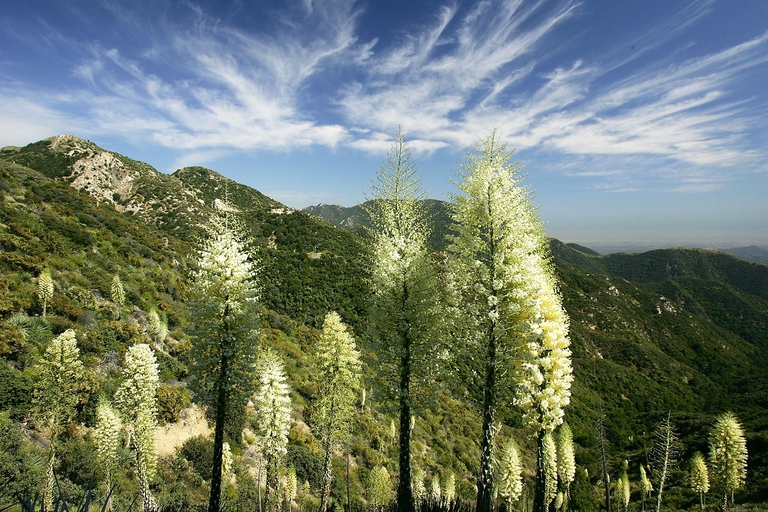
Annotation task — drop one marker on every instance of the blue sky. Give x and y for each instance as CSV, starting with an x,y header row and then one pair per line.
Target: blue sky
x,y
636,121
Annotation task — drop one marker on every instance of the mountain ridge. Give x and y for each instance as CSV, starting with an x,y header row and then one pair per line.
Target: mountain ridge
x,y
680,330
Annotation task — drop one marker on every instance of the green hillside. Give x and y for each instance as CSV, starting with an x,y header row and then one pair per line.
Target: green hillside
x,y
671,330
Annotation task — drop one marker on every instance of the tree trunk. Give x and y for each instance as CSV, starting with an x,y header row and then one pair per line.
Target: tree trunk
x,y
146,495
349,499
214,502
539,498
272,495
326,489
48,491
404,490
485,481
261,463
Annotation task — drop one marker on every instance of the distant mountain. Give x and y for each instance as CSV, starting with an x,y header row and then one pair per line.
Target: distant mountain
x,y
753,253
679,330
354,218
350,217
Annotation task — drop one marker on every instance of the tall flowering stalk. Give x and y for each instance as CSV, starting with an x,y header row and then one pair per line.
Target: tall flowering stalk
x,y
566,460
405,294
107,437
665,452
45,288
273,408
56,395
224,312
136,400
508,309
339,381
623,491
728,454
117,293
510,485
646,488
550,468
699,477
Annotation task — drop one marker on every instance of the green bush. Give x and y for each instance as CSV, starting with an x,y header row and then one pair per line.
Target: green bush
x,y
170,401
198,451
308,466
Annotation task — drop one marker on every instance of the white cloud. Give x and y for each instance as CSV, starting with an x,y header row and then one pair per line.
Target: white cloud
x,y
311,79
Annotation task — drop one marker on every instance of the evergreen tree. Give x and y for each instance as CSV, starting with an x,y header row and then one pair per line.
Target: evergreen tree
x,y
508,308
339,363
699,477
510,486
273,408
57,393
136,400
224,313
404,291
45,288
18,478
107,437
728,454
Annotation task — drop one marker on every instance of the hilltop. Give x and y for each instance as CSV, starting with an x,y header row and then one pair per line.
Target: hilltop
x,y
680,330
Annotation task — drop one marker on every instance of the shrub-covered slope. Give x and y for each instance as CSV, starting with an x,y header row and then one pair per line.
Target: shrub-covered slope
x,y
672,330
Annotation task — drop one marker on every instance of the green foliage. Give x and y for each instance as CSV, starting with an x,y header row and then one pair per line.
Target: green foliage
x,y
680,330
17,478
198,451
170,401
309,468
15,389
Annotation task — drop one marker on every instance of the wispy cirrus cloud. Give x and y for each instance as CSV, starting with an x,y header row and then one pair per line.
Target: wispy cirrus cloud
x,y
683,115
311,76
216,86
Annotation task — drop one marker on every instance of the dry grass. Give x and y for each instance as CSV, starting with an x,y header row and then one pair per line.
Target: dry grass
x,y
192,423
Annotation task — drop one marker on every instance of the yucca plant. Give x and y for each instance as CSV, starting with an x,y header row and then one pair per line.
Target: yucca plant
x,y
59,502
